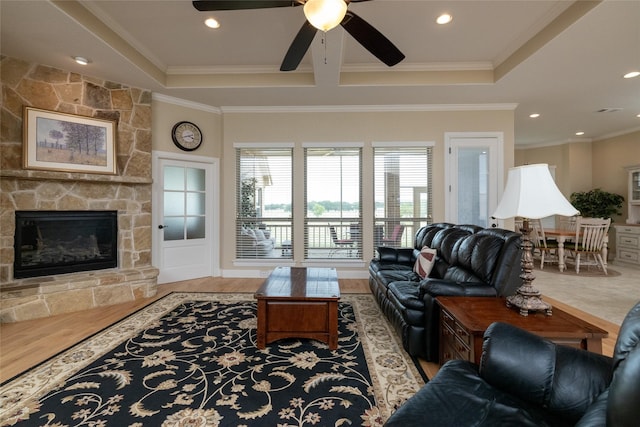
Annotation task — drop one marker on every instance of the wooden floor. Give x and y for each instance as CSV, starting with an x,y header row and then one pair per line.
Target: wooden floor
x,y
25,344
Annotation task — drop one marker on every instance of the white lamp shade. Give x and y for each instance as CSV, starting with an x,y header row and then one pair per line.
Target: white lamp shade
x,y
325,14
531,193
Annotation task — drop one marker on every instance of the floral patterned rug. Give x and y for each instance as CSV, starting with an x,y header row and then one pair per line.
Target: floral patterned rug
x,y
190,359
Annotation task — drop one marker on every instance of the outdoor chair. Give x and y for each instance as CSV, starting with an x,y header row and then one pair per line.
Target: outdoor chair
x,y
396,235
339,243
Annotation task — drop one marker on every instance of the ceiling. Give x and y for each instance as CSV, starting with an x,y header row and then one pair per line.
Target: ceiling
x,y
564,60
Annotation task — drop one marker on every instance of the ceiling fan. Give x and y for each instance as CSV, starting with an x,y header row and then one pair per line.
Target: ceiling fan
x,y
370,38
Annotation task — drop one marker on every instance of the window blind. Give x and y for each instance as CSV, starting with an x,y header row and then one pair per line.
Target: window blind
x,y
402,193
333,202
264,220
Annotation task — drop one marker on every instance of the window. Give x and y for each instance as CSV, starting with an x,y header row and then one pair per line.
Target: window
x,y
184,203
264,201
333,208
402,192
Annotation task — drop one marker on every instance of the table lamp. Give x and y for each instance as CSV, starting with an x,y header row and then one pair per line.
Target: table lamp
x,y
530,193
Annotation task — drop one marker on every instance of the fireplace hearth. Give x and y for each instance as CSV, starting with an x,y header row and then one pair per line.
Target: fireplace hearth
x,y
57,242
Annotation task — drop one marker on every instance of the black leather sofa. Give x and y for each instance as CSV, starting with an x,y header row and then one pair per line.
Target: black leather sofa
x,y
470,261
524,380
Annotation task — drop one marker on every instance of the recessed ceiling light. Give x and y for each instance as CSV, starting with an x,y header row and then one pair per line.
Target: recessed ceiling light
x,y
534,115
579,133
632,74
212,23
445,18
637,115
81,60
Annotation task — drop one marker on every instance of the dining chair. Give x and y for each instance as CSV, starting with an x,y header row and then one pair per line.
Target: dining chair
x,y
518,224
586,249
547,249
568,222
339,243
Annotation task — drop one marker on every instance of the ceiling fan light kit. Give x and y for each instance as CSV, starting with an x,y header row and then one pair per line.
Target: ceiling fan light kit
x,y
320,15
325,14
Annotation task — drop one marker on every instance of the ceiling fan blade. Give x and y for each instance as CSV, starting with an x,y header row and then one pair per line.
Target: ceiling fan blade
x,y
371,39
298,47
211,5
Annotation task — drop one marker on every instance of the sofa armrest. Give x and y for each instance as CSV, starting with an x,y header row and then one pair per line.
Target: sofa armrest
x,y
561,379
403,256
442,287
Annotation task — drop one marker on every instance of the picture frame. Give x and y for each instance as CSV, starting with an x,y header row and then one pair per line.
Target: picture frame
x,y
68,143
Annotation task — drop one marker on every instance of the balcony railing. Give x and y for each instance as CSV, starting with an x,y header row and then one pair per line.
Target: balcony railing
x,y
320,244
333,238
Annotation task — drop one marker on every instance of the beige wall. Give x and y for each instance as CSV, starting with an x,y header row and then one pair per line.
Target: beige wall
x,y
572,162
610,158
167,113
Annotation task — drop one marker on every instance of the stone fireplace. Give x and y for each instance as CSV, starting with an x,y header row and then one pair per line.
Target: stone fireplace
x,y
128,192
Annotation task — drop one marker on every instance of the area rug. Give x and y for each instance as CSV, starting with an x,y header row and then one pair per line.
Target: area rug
x,y
191,359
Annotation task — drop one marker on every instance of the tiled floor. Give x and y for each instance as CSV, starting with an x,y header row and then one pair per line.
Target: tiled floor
x,y
608,297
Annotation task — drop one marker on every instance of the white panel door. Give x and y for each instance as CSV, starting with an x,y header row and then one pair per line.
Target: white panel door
x,y
473,177
183,220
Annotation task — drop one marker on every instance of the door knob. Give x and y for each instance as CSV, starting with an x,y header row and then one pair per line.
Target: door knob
x,y
163,226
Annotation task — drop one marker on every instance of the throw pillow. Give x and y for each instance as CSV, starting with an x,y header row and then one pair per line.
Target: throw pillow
x,y
425,261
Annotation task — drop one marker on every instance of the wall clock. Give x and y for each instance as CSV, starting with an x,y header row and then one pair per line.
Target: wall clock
x,y
186,135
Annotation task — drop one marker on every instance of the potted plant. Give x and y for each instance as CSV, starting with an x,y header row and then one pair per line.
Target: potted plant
x,y
597,203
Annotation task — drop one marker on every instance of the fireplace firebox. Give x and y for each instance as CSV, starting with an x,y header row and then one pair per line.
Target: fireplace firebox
x,y
57,242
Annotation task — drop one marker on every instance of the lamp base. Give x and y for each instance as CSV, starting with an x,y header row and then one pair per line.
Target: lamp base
x,y
526,303
527,297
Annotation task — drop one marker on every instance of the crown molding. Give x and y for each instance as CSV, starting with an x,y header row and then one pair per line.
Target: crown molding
x,y
618,133
184,103
551,143
576,140
368,108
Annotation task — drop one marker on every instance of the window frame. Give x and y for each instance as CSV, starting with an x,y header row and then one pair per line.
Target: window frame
x,y
411,223
259,237
326,245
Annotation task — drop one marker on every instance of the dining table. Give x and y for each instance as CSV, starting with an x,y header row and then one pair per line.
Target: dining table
x,y
562,235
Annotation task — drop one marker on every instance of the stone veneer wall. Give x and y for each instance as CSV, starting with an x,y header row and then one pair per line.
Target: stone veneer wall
x,y
128,192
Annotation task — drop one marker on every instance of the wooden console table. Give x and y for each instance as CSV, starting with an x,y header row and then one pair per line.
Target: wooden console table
x,y
463,321
296,302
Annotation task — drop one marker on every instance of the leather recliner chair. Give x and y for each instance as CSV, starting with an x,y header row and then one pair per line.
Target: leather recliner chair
x,y
524,380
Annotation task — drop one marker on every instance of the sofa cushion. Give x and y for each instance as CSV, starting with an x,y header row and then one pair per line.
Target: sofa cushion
x,y
388,257
457,396
555,376
404,298
424,262
387,276
407,294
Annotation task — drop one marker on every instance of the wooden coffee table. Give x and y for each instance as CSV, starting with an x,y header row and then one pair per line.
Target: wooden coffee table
x,y
463,321
297,302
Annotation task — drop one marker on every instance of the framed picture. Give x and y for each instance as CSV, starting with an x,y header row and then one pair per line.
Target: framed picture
x,y
67,142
